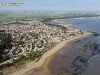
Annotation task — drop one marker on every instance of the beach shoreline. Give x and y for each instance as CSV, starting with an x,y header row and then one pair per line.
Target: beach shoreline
x,y
56,20
45,59
62,23
68,24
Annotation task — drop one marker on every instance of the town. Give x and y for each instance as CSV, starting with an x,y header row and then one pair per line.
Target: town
x,y
32,35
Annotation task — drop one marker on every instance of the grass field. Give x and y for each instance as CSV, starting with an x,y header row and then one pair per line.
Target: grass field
x,y
11,16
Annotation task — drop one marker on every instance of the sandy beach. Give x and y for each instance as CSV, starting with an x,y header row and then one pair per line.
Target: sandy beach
x,y
45,59
63,24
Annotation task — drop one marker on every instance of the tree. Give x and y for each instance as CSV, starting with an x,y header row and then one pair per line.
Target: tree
x,y
33,55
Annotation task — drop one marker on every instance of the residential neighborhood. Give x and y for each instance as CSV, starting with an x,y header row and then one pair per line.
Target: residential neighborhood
x,y
33,35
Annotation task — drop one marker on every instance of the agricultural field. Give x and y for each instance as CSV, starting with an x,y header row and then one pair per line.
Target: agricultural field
x,y
12,16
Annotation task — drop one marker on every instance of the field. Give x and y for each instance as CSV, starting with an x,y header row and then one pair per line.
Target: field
x,y
12,16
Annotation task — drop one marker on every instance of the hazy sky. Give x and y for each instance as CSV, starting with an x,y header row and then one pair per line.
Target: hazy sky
x,y
53,5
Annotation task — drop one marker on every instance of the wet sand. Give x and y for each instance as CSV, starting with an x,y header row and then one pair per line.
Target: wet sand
x,y
94,68
66,61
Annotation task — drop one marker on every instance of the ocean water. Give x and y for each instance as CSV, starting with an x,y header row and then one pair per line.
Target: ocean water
x,y
88,24
92,67
93,25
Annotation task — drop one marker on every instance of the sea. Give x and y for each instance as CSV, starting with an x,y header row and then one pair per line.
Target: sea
x,y
90,67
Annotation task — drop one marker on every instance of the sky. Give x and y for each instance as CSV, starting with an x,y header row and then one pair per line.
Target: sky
x,y
72,5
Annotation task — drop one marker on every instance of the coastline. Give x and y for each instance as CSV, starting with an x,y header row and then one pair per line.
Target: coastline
x,y
56,20
67,24
63,24
45,59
